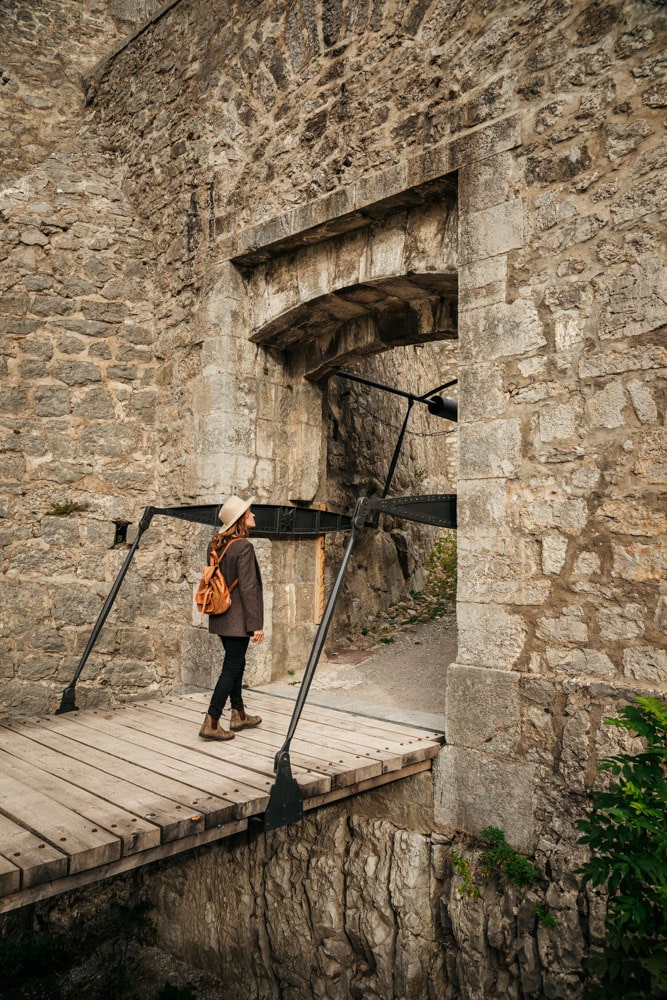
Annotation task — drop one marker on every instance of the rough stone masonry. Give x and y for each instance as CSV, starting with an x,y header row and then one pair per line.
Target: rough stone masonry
x,y
201,219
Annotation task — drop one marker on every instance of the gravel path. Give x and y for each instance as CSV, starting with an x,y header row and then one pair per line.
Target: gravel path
x,y
406,676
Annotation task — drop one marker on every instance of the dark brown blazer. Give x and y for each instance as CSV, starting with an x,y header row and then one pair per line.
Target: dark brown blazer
x,y
246,614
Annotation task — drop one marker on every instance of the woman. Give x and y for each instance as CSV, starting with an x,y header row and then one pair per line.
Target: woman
x,y
243,620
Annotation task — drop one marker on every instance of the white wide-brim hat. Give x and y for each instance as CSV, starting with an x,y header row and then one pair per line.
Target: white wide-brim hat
x,y
232,510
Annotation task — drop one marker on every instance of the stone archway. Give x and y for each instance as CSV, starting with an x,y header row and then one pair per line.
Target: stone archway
x,y
334,295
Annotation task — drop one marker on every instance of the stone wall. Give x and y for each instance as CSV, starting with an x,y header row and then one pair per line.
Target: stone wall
x,y
315,127
79,373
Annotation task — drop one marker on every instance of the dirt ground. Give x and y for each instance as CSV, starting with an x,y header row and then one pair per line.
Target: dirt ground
x,y
402,679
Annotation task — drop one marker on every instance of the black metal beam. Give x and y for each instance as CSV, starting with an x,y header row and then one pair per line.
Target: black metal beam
x,y
271,520
438,509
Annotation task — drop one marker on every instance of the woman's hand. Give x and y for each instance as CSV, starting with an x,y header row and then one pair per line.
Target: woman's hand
x,y
258,636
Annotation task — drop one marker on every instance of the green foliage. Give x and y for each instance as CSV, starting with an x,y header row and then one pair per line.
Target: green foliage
x,y
468,886
545,917
627,835
441,568
68,507
498,858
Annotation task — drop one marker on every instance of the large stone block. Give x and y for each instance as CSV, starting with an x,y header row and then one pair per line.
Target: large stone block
x,y
482,708
647,664
482,505
500,330
489,635
473,790
492,231
500,569
490,450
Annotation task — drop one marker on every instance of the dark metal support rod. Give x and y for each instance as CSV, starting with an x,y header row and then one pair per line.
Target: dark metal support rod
x,y
396,392
286,800
375,385
358,519
445,385
397,450
68,703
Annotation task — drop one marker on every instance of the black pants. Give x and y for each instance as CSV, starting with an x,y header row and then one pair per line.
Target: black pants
x,y
231,675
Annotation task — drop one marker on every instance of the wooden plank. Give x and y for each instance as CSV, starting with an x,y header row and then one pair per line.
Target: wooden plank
x,y
238,766
316,738
54,888
348,721
10,877
317,731
85,845
205,775
411,749
343,766
319,761
310,772
366,786
343,719
36,860
122,784
135,834
146,769
341,727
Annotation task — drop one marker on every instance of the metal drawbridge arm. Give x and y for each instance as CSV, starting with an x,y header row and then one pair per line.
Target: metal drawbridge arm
x,y
286,799
68,703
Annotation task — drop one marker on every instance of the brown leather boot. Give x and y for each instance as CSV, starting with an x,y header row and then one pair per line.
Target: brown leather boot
x,y
211,730
240,720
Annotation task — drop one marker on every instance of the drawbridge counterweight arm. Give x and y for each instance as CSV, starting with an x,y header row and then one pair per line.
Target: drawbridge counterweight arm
x,y
68,703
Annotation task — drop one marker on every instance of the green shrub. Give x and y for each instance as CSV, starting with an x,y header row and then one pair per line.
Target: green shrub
x,y
627,835
468,886
441,568
500,860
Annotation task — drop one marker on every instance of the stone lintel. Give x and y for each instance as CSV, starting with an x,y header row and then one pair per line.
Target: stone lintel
x,y
414,181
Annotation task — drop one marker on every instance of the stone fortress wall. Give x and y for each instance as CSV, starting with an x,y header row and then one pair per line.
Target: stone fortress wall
x,y
103,403
238,180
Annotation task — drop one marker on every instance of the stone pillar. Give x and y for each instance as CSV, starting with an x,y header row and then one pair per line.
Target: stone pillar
x,y
255,432
481,776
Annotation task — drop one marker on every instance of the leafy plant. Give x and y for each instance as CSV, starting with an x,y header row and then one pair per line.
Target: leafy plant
x,y
68,507
498,858
468,886
627,834
545,917
441,568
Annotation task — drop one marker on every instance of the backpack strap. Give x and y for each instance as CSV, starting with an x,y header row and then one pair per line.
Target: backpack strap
x,y
219,560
